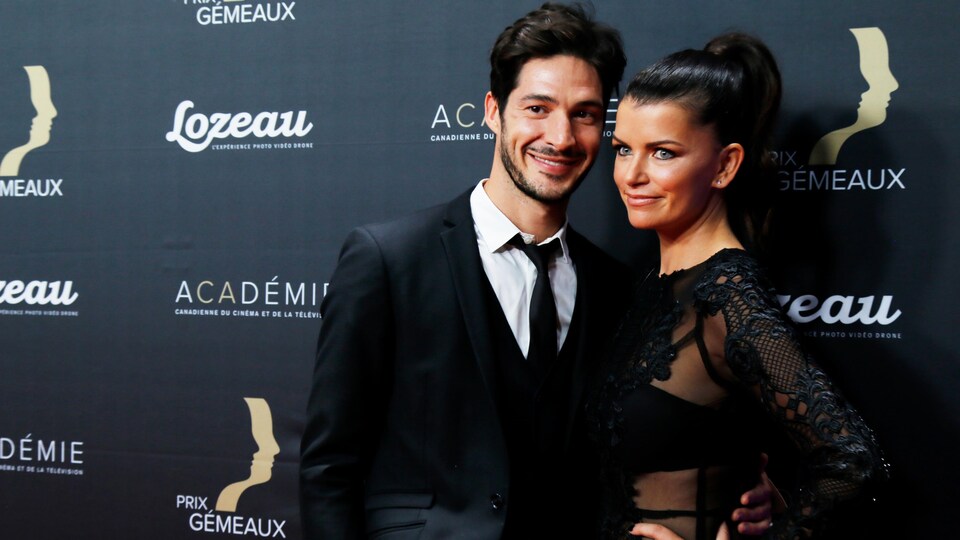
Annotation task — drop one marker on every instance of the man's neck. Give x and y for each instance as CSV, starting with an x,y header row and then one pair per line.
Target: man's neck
x,y
540,219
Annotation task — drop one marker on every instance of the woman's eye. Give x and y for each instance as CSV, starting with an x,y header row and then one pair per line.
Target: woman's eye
x,y
621,150
662,153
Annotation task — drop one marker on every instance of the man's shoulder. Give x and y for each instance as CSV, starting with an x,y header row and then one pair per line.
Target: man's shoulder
x,y
428,220
425,218
413,236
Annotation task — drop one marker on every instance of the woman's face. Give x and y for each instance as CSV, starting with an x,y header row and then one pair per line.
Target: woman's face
x,y
667,166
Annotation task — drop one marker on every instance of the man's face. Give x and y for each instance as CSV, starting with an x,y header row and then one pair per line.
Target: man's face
x,y
549,130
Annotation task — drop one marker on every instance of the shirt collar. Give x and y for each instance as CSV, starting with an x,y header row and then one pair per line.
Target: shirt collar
x,y
496,229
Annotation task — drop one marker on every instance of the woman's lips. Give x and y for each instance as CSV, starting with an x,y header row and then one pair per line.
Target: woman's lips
x,y
639,200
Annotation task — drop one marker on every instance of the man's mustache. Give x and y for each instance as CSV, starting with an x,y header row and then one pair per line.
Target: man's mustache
x,y
553,152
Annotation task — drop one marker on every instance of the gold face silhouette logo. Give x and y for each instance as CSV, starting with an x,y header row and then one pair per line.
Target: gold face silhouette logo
x,y
42,122
875,67
261,468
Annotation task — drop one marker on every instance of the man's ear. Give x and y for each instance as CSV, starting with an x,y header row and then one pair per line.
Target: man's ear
x,y
491,113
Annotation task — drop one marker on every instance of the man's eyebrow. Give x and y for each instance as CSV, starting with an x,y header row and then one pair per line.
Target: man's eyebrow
x,y
590,103
550,99
539,97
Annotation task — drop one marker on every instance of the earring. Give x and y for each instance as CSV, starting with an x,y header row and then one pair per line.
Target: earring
x,y
719,181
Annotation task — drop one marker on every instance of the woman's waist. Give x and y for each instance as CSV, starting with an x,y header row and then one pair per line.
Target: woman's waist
x,y
704,490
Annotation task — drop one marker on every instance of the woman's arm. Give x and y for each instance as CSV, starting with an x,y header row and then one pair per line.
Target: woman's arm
x,y
761,350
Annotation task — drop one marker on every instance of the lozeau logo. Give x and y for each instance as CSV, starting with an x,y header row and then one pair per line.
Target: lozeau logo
x,y
241,11
839,309
196,132
203,519
36,292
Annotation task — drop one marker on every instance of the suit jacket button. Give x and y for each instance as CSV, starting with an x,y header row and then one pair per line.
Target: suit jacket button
x,y
496,501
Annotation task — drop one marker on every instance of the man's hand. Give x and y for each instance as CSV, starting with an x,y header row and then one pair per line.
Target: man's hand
x,y
754,517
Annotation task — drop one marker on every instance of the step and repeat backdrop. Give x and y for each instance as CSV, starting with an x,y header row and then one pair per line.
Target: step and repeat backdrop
x,y
177,177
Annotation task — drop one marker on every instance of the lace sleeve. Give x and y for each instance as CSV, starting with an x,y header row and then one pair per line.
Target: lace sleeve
x,y
840,455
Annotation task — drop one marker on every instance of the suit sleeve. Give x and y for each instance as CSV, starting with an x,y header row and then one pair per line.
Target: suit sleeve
x,y
348,394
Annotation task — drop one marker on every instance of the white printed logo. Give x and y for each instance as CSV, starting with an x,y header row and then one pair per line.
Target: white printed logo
x,y
37,292
839,309
218,12
195,133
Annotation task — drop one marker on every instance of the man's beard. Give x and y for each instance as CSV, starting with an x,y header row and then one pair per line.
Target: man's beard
x,y
525,186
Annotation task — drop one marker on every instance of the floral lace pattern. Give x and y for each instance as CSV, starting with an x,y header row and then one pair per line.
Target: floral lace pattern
x,y
761,349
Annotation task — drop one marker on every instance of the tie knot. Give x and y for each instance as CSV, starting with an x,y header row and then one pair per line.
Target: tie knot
x,y
539,254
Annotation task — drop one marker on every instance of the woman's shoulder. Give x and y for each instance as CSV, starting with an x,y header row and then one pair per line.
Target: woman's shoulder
x,y
731,275
731,266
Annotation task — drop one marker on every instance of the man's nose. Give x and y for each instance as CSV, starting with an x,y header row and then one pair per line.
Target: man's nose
x,y
560,132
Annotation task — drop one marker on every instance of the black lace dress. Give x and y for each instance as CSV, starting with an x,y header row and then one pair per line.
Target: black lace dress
x,y
705,356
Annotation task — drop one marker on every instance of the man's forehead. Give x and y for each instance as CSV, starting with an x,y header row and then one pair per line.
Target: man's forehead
x,y
558,75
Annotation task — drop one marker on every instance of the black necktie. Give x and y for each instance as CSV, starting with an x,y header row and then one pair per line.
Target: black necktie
x,y
543,310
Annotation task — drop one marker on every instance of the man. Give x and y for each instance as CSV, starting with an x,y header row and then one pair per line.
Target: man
x,y
437,409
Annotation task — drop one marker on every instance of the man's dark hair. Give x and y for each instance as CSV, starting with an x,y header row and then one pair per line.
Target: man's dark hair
x,y
552,30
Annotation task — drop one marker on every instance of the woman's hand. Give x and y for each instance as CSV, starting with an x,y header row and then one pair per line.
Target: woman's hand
x,y
659,532
654,532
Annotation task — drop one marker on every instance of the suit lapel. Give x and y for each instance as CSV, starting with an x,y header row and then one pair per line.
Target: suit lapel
x,y
460,244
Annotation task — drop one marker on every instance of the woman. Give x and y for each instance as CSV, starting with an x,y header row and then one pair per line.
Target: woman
x,y
705,354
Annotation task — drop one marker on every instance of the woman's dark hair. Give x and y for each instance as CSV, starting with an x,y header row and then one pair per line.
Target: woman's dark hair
x,y
734,85
551,30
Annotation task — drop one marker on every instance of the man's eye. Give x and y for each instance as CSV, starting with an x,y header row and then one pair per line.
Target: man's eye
x,y
536,109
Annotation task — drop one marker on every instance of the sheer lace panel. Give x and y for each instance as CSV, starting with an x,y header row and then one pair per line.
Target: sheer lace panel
x,y
700,351
763,352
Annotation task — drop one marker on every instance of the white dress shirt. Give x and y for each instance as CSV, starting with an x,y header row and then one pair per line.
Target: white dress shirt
x,y
512,274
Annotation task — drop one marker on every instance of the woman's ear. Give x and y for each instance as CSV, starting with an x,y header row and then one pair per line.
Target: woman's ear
x,y
731,156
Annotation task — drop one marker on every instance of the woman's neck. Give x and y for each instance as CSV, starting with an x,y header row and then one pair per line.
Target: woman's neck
x,y
695,245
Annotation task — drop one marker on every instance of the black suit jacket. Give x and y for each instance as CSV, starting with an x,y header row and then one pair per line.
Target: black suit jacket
x,y
402,438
